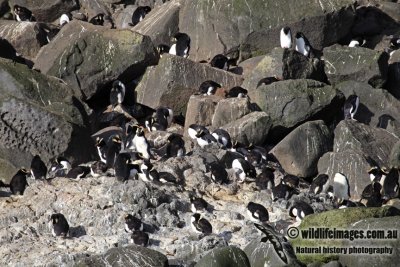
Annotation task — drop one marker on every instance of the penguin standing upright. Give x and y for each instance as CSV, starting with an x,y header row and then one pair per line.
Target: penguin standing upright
x,y
60,226
320,184
124,167
243,169
22,13
218,173
113,148
18,182
265,180
302,44
141,144
286,37
175,146
117,93
341,187
208,87
371,195
350,106
38,168
390,185
181,47
139,14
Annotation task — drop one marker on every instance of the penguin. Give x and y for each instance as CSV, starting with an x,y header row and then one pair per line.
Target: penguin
x,y
97,20
147,172
302,44
291,180
390,185
124,167
98,169
218,173
371,195
341,187
60,226
220,62
350,107
141,144
281,191
18,182
38,168
163,49
22,13
300,209
208,87
258,150
266,179
205,138
356,42
267,81
236,91
193,129
243,169
117,93
223,138
200,225
281,245
198,204
78,172
181,47
348,204
257,212
239,148
101,147
375,174
139,14
253,158
166,178
320,184
60,167
64,19
395,43
175,146
132,224
112,150
130,132
286,37
140,238
160,120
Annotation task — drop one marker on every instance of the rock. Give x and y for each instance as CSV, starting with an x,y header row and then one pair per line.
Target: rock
x,y
394,158
250,129
292,102
200,110
335,219
246,67
377,108
131,255
356,63
161,23
372,142
29,97
383,259
4,8
47,10
230,109
93,8
123,17
19,34
168,84
322,24
394,77
224,257
120,54
299,151
353,164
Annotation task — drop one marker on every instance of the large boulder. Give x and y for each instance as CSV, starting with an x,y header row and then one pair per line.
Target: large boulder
x,y
230,109
356,63
250,129
90,57
168,83
47,10
299,151
19,34
200,110
39,115
135,256
323,24
292,102
224,257
218,26
377,108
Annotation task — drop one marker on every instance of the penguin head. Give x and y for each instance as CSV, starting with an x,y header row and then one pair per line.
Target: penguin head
x,y
17,9
145,9
200,133
162,49
23,171
100,142
385,170
55,218
299,35
286,30
116,139
128,217
196,217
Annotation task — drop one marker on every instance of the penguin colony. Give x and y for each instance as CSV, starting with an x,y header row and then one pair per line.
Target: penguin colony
x,y
128,155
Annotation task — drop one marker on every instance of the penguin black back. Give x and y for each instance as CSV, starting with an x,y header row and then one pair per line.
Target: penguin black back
x,y
208,87
139,14
140,238
18,182
175,146
22,13
97,20
220,62
38,168
60,225
236,91
350,106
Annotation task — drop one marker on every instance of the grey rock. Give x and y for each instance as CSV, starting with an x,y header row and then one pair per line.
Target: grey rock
x,y
119,54
299,151
394,158
131,255
200,110
122,17
47,10
377,108
29,97
356,63
333,264
230,109
252,128
93,8
246,67
168,84
292,102
378,259
224,257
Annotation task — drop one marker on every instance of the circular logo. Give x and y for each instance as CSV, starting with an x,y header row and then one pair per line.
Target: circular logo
x,y
293,232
